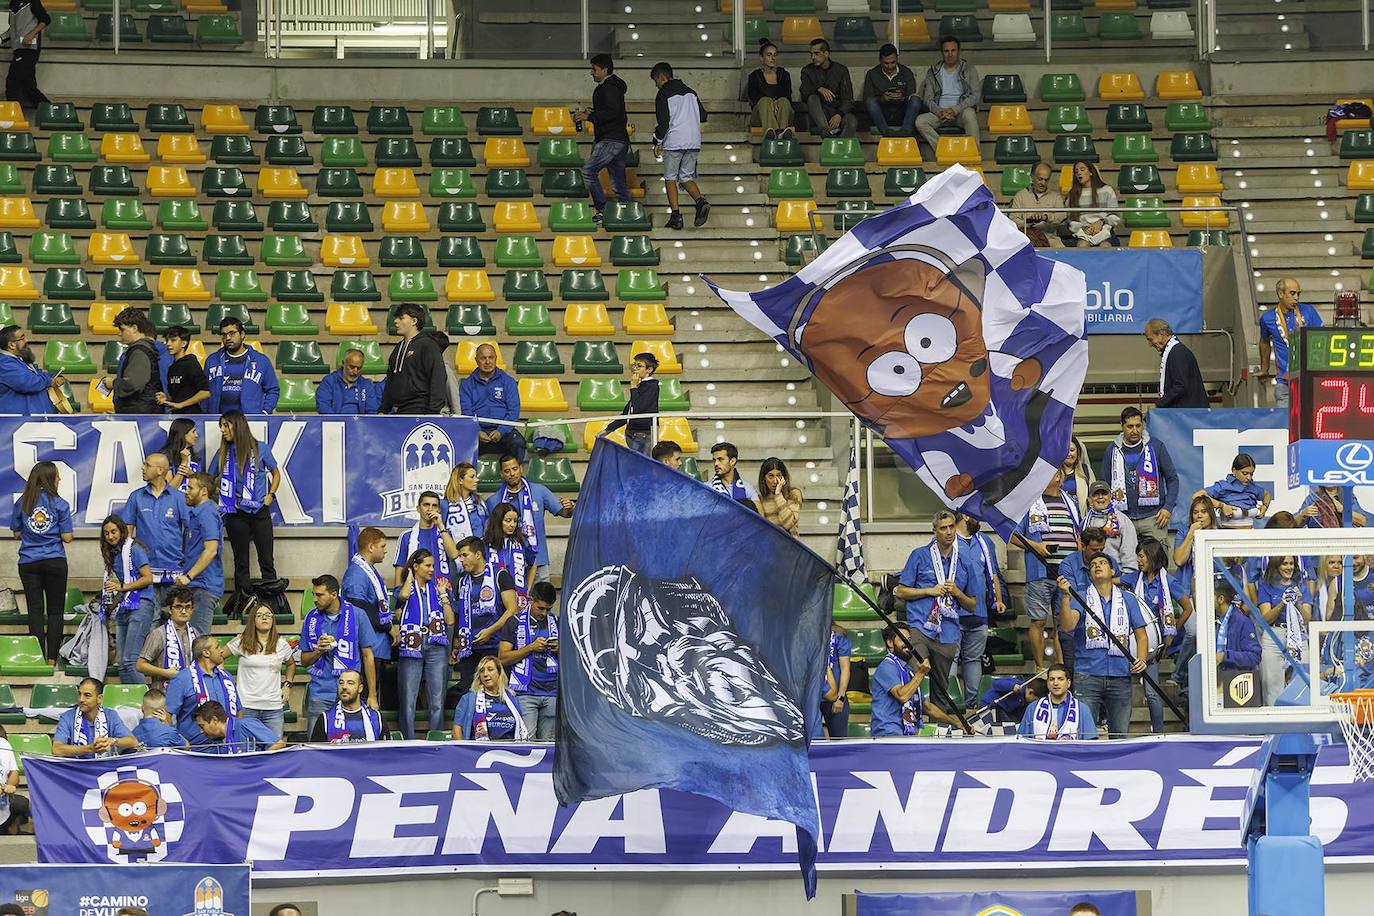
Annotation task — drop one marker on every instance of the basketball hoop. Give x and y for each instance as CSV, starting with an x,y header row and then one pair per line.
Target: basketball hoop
x,y
1354,711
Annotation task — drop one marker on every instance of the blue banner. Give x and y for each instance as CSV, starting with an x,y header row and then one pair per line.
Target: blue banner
x,y
1026,903
884,805
1129,286
93,890
335,470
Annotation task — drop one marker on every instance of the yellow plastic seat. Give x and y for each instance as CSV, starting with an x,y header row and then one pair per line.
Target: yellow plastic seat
x,y
100,317
646,318
169,181
12,117
404,216
465,356
587,319
123,148
506,152
911,29
348,319
1203,218
395,182
961,149
800,30
900,151
1177,84
515,216
17,213
223,119
542,395
180,148
593,429
99,403
1114,4
575,251
181,284
1360,176
16,282
111,248
675,429
280,182
1120,85
1008,119
792,215
551,122
1348,123
750,6
663,349
1198,178
197,349
1009,6
343,251
468,285
1150,238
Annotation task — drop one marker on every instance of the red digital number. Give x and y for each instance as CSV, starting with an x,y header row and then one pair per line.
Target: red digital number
x,y
1336,410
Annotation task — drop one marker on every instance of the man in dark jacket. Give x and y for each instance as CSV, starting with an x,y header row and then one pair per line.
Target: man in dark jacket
x,y
28,19
890,95
828,94
416,381
139,381
1180,379
609,121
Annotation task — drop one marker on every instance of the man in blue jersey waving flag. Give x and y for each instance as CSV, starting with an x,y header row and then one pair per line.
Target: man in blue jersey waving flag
x,y
937,324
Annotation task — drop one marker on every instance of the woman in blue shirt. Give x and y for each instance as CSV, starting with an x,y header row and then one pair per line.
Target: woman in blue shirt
x,y
489,711
507,548
1239,501
1285,601
182,455
1158,592
43,523
127,594
248,481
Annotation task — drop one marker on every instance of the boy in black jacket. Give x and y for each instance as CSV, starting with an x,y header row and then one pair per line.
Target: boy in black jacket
x,y
643,400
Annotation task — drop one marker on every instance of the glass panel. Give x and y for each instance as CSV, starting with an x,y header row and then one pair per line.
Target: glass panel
x,y
1298,26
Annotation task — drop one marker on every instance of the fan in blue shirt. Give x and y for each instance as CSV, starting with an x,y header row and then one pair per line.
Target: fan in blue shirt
x,y
155,729
233,736
531,500
157,515
1239,501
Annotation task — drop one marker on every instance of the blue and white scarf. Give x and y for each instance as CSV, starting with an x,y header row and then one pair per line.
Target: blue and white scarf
x,y
944,607
422,620
1118,620
1146,477
524,502
1039,516
231,692
1045,724
1294,622
735,490
429,539
338,732
989,565
171,646
513,559
84,733
525,631
477,600
344,656
1224,628
1163,606
234,497
479,730
464,518
911,709
194,467
378,587
129,600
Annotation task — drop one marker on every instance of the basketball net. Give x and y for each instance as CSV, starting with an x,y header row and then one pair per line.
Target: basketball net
x,y
1354,711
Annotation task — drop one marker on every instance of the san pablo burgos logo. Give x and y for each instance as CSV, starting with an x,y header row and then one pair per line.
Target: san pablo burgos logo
x,y
133,816
426,459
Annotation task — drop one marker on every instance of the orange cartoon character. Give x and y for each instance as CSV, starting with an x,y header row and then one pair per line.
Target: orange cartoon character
x,y
133,809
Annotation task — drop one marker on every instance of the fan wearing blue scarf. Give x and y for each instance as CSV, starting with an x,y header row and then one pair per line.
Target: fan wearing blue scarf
x,y
532,500
487,599
89,729
724,458
335,637
1239,501
428,533
232,735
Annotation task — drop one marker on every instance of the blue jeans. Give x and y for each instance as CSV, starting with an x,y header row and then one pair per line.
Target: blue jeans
x,y
638,442
1109,698
433,667
131,629
885,114
274,719
315,706
1152,700
972,643
540,714
203,610
606,154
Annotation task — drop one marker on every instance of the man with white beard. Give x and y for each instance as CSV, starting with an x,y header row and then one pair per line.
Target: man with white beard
x,y
23,385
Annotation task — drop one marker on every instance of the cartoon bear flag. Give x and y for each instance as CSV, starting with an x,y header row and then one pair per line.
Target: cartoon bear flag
x,y
939,326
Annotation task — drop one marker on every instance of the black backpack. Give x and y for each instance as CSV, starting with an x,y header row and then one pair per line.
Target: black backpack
x,y
269,592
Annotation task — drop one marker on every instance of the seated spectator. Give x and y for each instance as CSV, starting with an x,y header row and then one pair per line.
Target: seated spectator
x,y
1008,697
348,720
1239,501
490,394
1115,524
770,93
1041,226
90,729
529,648
138,381
347,391
828,94
1238,644
780,500
205,679
126,594
1323,507
167,649
898,706
14,808
1111,619
890,95
725,458
950,92
489,711
668,452
1093,222
187,385
183,458
263,687
1059,715
643,400
156,728
232,735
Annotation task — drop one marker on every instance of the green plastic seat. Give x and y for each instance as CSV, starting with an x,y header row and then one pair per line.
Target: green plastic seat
x,y
633,251
289,318
51,247
903,180
1128,117
70,147
166,315
171,248
955,6
637,285
570,216
566,182
755,30
11,184
291,216
470,319
218,311
128,29
460,216
388,119
1118,25
961,26
796,6
582,285
868,645
626,216
1357,144
841,151
460,251
602,395
120,283
538,358
1067,119
233,149
555,473
224,181
1367,248
58,116
374,360
55,179
508,183
517,251
300,357
114,352
529,319
71,356
493,121
1364,208
238,285
288,150
67,283
276,119
451,151
52,696
1071,148
297,395
18,146
68,213
1186,117
799,247
402,251
1134,148
558,152
295,286
1139,179
167,118
124,213
235,216
1204,238
1193,148
338,183
1003,88
854,212
411,286
52,318
1068,27
855,30
184,215
169,30
846,604
1145,213
781,151
14,714
354,286
790,183
1016,150
443,121
112,181
1061,87
219,30
343,152
445,183
847,183
565,433
526,286
113,116
9,254
396,152
439,734
285,251
333,119
1014,178
67,28
672,395
596,357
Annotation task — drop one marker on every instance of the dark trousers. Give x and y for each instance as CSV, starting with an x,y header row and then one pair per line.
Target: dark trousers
x,y
836,723
942,656
242,527
21,83
45,593
19,812
510,443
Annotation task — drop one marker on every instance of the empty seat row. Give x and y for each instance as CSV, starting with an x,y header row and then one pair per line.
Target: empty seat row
x,y
1112,25
161,29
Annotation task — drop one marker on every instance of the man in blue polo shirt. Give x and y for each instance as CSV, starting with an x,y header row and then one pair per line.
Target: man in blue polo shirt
x,y
531,500
204,680
204,538
155,729
89,729
1278,327
1102,673
156,514
938,584
897,702
335,637
227,734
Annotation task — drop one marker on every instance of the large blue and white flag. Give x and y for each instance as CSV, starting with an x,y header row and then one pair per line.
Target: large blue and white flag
x,y
937,323
693,647
849,545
